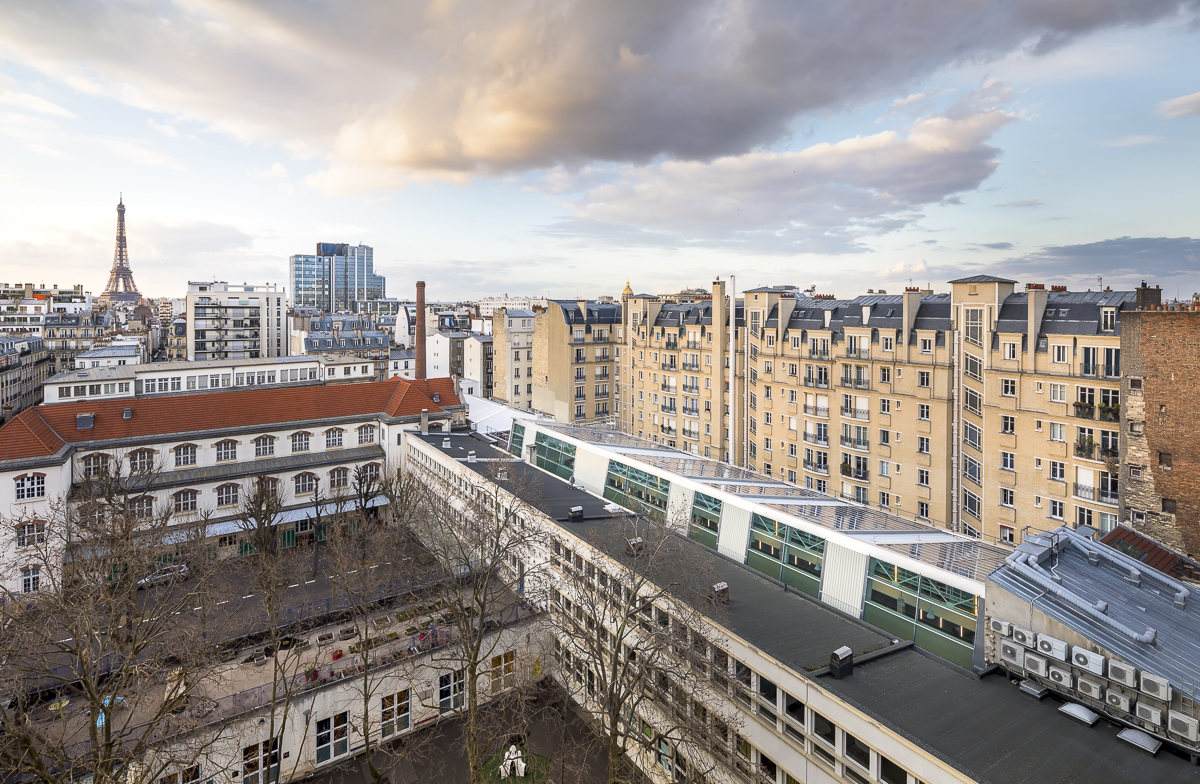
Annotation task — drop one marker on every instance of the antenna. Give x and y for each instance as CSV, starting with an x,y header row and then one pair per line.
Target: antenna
x,y
1100,282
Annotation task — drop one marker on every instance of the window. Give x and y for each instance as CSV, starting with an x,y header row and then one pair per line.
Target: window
x,y
395,715
1008,424
227,495
926,345
1083,516
1010,350
333,737
264,446
973,366
972,401
887,343
185,455
923,477
1058,431
339,479
141,461
885,375
503,671
450,687
923,509
971,504
31,534
1169,506
856,751
95,465
1008,387
1058,393
1108,319
333,438
300,442
185,501
885,406
366,434
1008,461
923,444
32,486
1164,459
972,435
31,579
1060,355
226,450
305,483
1007,496
1058,471
923,411
923,378
1056,509
885,498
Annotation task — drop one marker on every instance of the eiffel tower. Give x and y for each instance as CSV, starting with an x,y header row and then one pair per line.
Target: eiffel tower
x,y
121,287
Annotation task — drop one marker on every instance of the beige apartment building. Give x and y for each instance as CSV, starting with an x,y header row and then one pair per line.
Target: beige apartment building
x,y
678,390
577,360
852,397
1039,380
512,341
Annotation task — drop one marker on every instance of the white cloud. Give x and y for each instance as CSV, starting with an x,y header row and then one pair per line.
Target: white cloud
x,y
137,153
32,103
824,198
1132,141
163,128
1023,203
1183,106
276,170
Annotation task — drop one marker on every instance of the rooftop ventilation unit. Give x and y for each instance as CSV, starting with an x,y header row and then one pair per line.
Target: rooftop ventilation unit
x,y
1147,713
1087,660
1035,664
1052,647
1122,673
1012,653
1156,687
1061,677
1090,688
1115,699
575,515
634,546
720,594
1023,636
841,663
1003,628
445,443
1183,725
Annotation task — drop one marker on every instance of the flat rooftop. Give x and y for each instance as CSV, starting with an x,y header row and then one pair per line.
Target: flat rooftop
x,y
984,727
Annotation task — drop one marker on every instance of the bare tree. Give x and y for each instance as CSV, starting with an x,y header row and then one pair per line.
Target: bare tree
x,y
479,533
634,643
100,644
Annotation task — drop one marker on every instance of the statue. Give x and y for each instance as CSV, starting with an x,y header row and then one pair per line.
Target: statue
x,y
512,764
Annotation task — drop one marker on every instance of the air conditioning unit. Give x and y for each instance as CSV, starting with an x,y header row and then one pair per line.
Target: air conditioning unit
x,y
1115,699
1146,713
1003,628
1122,673
1090,688
1051,647
1012,653
1156,687
1035,664
1087,660
1061,677
1023,636
1183,725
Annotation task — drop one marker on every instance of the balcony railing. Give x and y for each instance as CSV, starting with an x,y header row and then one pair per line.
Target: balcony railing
x,y
1089,369
670,367
856,413
1100,494
693,411
667,431
862,383
1110,413
823,354
694,367
816,383
862,353
691,389
1084,410
861,474
580,358
856,443
814,438
671,345
821,411
668,387
602,376
818,468
692,344
668,409
580,398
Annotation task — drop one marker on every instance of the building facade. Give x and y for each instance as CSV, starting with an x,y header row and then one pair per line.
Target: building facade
x,y
577,360
479,362
24,367
336,278
512,337
70,334
228,321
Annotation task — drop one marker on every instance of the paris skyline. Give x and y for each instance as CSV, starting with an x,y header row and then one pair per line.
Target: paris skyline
x,y
667,147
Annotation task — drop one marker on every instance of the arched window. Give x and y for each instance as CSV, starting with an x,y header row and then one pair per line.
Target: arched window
x,y
31,534
31,486
227,495
142,508
264,446
95,465
333,437
370,473
300,441
226,450
305,483
366,434
185,501
339,479
141,461
185,455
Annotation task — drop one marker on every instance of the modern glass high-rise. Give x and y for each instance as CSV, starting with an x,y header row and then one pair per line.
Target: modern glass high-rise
x,y
336,277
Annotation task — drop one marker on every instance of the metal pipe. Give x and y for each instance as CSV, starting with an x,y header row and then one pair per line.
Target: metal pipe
x,y
1123,561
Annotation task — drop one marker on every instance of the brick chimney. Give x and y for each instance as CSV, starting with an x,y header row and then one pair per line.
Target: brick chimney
x,y
420,336
1148,297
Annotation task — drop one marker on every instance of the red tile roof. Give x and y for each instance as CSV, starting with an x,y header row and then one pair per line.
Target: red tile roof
x,y
42,431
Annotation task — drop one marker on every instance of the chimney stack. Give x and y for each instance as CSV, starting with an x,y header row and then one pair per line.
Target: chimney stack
x,y
420,330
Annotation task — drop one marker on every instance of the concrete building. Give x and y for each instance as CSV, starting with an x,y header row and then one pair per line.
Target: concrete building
x,y
70,334
478,362
402,363
228,321
24,367
489,306
176,341
577,360
220,375
110,356
447,355
23,316
512,336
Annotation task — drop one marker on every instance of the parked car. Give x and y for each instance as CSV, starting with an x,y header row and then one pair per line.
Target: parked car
x,y
163,575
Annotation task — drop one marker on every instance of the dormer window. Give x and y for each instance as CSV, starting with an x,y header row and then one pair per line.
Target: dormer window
x,y
1108,319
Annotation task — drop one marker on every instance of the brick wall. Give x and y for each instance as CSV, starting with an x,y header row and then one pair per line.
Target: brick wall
x,y
1161,348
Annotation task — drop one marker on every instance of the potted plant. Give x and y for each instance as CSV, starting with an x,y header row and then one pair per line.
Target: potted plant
x,y
337,654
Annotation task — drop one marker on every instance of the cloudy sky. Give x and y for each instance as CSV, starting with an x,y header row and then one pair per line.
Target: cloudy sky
x,y
560,148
